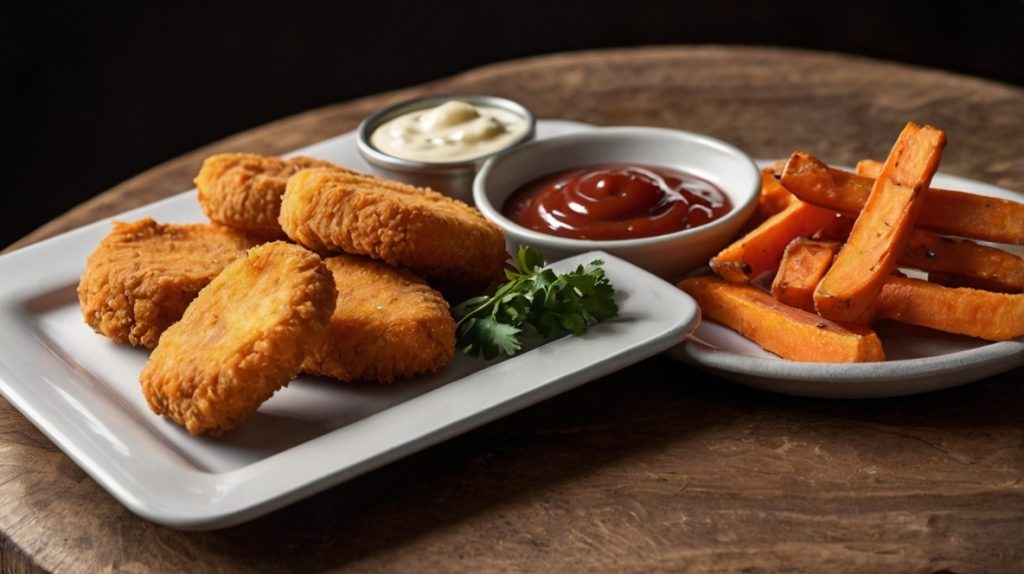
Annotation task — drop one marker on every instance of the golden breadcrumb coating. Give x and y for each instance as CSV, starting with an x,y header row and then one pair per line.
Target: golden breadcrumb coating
x,y
243,338
243,190
387,324
433,235
144,274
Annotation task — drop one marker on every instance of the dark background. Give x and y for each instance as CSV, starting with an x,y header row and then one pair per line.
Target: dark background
x,y
96,93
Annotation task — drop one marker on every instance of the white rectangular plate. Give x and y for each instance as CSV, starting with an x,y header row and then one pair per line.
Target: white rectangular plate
x,y
82,391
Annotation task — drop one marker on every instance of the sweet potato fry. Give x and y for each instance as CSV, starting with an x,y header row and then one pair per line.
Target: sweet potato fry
x,y
948,212
761,249
869,168
786,331
803,265
813,181
772,199
984,314
776,168
964,263
882,229
974,216
953,280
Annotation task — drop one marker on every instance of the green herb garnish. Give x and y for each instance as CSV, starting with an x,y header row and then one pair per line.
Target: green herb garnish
x,y
534,298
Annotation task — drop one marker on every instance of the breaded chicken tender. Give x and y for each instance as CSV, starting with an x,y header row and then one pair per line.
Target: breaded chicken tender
x,y
387,324
441,238
243,338
144,274
243,190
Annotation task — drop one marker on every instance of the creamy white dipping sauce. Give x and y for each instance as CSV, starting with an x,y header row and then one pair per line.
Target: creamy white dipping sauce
x,y
453,131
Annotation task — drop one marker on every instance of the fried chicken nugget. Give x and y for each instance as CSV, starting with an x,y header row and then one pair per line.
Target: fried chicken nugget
x,y
413,227
388,324
243,190
144,274
241,340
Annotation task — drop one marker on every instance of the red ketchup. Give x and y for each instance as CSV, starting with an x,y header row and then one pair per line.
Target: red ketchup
x,y
616,201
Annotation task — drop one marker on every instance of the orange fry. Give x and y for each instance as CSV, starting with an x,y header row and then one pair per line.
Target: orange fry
x,y
761,249
984,314
948,212
869,168
803,265
786,331
964,263
773,199
882,229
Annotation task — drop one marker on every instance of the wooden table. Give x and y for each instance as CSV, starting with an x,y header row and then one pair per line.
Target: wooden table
x,y
657,467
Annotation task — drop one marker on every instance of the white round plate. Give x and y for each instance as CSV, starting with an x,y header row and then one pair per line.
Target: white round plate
x,y
920,360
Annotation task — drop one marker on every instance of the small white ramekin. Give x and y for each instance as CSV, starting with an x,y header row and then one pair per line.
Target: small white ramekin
x,y
670,256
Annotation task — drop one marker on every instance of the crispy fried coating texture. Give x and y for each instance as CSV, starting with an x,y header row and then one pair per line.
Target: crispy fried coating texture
x,y
435,236
144,274
387,324
244,190
241,340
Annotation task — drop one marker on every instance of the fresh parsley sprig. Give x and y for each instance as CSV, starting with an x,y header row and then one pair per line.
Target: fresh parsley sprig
x,y
534,298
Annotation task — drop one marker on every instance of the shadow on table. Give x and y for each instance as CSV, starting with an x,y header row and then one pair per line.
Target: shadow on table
x,y
654,425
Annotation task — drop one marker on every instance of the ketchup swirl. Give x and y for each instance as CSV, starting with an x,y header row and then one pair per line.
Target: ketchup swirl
x,y
616,201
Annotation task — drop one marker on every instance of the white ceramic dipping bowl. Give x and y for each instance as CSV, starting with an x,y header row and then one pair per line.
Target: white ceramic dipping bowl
x,y
669,256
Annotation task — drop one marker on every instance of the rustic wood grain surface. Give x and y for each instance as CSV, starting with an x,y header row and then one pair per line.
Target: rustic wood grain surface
x,y
657,467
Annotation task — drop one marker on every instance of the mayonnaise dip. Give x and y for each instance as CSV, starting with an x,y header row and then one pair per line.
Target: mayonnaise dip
x,y
453,131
